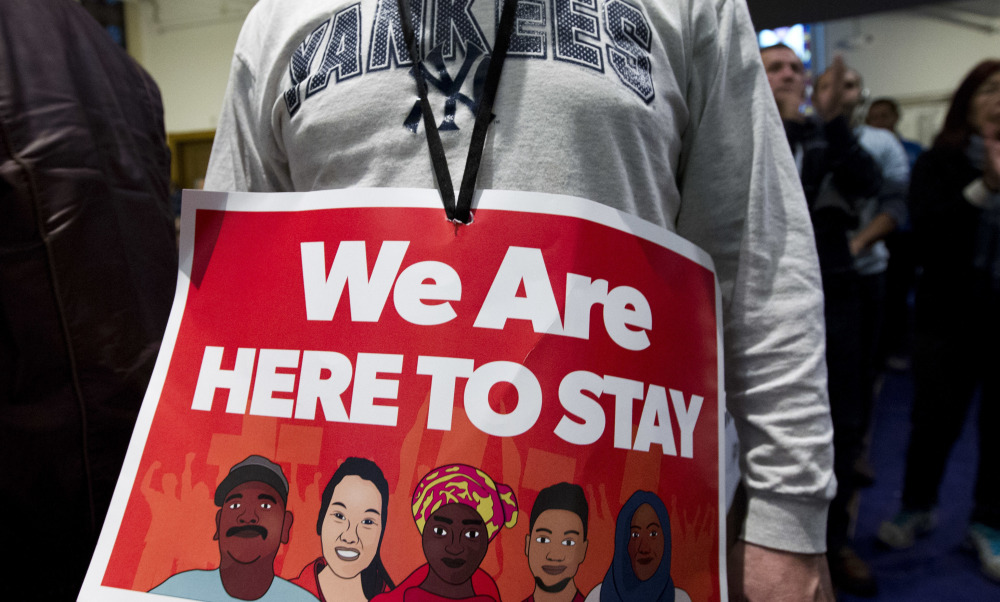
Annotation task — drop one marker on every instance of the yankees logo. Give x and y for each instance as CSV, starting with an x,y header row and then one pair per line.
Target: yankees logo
x,y
439,78
606,36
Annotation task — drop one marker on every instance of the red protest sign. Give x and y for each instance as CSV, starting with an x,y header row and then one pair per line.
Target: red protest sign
x,y
470,368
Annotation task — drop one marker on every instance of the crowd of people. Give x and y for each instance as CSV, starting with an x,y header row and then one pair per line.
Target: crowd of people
x,y
871,191
803,242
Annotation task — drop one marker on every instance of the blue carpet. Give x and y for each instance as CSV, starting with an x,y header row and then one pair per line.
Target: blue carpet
x,y
938,568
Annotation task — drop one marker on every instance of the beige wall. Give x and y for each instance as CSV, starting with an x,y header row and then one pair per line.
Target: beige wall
x,y
917,59
187,48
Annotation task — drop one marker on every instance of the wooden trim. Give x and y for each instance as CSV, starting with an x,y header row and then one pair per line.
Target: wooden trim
x,y
176,140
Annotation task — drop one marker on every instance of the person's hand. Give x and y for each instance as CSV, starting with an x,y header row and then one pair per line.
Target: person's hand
x,y
759,574
828,99
991,169
856,246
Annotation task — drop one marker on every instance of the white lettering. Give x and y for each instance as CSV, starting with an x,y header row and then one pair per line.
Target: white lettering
x,y
687,418
412,289
368,387
582,406
477,399
626,392
350,267
581,295
313,386
539,303
654,424
269,381
443,372
212,377
627,307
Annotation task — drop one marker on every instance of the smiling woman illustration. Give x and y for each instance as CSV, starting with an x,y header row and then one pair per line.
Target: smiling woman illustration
x,y
458,510
640,569
351,524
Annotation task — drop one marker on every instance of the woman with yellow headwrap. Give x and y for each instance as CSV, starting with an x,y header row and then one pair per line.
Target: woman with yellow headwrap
x,y
458,510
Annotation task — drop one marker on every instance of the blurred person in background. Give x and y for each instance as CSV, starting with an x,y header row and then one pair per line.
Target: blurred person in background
x,y
884,113
879,215
901,275
88,262
836,174
955,200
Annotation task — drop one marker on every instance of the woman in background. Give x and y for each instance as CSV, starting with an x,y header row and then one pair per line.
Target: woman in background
x,y
955,204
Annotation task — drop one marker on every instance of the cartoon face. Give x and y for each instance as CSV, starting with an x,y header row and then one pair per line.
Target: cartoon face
x,y
352,527
646,543
555,547
455,542
252,523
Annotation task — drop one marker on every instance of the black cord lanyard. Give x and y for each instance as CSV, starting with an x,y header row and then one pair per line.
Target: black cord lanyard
x,y
460,212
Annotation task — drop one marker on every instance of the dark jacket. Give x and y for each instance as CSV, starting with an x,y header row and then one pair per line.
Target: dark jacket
x,y
947,232
836,173
88,264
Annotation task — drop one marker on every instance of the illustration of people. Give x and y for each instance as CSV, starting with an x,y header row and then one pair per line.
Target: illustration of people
x,y
250,526
458,510
640,569
556,543
351,524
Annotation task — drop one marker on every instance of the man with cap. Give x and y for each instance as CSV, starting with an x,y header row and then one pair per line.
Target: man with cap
x,y
250,526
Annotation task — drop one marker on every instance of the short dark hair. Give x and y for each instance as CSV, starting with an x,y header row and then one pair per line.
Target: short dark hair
x,y
889,102
374,577
956,131
561,496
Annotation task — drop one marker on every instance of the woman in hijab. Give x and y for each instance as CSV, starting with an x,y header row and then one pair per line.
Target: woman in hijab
x,y
640,568
458,510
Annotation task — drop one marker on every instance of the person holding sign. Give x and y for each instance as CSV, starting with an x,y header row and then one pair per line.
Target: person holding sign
x,y
251,525
351,524
640,570
458,510
660,110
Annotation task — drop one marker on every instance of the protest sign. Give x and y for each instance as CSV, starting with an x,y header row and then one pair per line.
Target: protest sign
x,y
467,369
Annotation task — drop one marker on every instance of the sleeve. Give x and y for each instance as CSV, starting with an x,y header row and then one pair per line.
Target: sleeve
x,y
855,173
245,155
738,176
980,195
895,168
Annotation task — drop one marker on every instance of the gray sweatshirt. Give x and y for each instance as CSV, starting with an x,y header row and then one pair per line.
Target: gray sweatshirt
x,y
659,109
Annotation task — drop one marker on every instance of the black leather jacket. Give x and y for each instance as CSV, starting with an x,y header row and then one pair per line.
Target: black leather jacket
x,y
88,263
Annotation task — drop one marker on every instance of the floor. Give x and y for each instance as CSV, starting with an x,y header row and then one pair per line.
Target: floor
x,y
939,567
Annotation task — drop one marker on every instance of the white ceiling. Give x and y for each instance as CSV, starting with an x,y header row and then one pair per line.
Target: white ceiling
x,y
986,8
